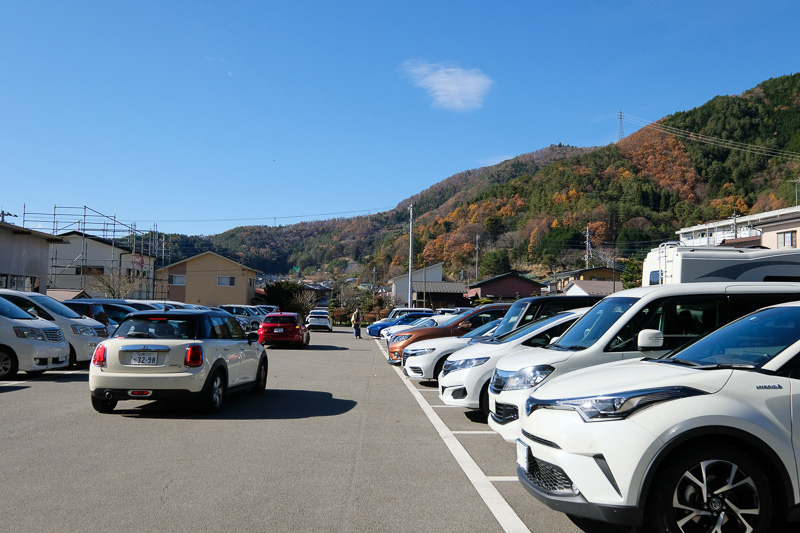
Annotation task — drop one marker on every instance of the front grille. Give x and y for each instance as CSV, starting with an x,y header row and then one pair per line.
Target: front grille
x,y
100,331
548,477
505,413
53,334
499,380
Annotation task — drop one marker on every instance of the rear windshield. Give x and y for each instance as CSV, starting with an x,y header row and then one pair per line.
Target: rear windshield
x,y
323,314
9,310
280,320
158,328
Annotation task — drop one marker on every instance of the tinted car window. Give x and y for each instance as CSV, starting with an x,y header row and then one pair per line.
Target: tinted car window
x,y
219,329
29,307
9,310
236,329
158,328
284,319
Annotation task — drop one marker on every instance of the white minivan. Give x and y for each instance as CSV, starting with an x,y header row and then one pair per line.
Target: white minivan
x,y
645,321
82,334
27,343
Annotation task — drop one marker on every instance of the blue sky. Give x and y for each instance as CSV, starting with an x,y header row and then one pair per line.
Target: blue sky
x,y
205,115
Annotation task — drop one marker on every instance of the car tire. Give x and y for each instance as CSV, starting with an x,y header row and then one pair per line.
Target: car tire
x,y
8,364
101,405
484,401
260,384
214,392
679,488
437,368
73,357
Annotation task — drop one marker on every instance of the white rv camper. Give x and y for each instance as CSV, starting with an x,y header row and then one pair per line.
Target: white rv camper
x,y
674,262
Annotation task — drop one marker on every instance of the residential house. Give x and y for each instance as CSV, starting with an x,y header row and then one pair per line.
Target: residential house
x,y
207,279
509,286
104,268
25,258
771,229
558,283
436,294
592,287
425,275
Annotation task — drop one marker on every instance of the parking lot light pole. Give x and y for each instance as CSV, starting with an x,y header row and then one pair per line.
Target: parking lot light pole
x,y
410,252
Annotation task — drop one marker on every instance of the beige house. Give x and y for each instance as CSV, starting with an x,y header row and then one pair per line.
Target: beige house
x,y
24,258
207,279
771,229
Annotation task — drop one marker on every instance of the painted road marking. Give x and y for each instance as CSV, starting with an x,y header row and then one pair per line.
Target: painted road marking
x,y
498,506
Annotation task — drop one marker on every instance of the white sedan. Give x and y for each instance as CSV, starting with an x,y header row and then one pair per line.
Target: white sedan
x,y
465,376
319,318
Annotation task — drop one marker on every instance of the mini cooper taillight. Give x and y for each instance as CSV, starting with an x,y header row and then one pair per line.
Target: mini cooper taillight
x,y
99,357
194,355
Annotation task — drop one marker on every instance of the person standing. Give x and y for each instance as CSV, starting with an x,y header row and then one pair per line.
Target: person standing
x,y
356,321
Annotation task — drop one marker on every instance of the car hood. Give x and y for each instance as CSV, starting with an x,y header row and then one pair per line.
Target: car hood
x,y
482,350
622,376
531,356
442,343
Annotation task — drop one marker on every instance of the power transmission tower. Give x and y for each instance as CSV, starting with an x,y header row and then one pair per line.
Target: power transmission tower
x,y
620,129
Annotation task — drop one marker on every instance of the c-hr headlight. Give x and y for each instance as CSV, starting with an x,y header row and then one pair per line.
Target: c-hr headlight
x,y
613,406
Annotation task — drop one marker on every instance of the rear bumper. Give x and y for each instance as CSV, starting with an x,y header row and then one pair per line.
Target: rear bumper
x,y
126,394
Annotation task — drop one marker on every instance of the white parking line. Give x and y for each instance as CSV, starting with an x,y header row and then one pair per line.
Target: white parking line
x,y
490,432
502,478
498,506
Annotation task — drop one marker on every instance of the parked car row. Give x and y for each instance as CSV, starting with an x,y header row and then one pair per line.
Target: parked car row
x,y
669,407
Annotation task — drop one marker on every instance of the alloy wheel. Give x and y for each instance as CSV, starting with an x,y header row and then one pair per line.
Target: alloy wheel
x,y
716,496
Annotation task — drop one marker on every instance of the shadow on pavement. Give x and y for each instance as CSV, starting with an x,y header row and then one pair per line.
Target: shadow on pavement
x,y
13,388
327,348
274,404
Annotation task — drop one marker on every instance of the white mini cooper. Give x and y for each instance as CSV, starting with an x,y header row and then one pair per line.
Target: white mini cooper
x,y
176,354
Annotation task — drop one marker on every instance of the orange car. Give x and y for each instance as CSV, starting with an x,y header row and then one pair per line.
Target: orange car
x,y
455,327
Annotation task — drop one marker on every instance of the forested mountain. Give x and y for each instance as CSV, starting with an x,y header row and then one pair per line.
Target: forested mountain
x,y
727,156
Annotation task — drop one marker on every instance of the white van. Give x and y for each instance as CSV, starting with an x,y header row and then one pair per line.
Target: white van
x,y
82,334
27,343
645,321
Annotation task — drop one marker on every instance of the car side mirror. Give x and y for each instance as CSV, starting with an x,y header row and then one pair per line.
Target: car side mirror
x,y
554,340
465,325
33,312
252,337
650,339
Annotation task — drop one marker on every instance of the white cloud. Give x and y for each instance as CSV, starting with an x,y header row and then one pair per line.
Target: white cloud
x,y
449,86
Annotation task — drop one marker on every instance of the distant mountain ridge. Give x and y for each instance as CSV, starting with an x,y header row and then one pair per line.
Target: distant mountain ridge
x,y
531,212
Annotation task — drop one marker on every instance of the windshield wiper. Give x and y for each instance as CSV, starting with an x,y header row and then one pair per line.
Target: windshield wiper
x,y
684,362
737,366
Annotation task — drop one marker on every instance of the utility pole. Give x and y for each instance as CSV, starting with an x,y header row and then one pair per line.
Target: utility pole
x,y
4,214
795,189
410,252
588,248
477,248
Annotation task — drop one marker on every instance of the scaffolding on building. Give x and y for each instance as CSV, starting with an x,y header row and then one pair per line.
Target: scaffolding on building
x,y
123,239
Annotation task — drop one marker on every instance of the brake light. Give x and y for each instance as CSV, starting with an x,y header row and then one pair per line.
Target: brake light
x,y
194,355
99,357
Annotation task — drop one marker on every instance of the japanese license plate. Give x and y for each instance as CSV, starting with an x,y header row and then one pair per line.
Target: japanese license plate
x,y
522,455
143,358
278,330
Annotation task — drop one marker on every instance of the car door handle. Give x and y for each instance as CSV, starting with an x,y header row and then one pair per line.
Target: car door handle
x,y
226,348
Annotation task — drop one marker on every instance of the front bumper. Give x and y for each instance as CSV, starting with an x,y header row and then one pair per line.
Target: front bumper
x,y
421,366
577,505
455,389
40,355
505,412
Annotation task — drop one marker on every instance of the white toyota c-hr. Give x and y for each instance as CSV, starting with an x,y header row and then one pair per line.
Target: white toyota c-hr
x,y
178,354
699,440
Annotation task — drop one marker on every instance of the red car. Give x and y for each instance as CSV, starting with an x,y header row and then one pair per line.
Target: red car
x,y
284,328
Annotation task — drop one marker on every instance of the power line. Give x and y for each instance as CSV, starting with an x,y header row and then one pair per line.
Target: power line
x,y
368,211
716,141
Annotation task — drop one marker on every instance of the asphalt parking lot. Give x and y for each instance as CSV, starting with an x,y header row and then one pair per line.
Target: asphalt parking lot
x,y
340,442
